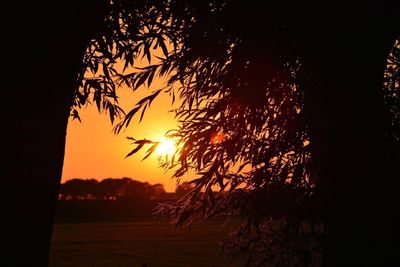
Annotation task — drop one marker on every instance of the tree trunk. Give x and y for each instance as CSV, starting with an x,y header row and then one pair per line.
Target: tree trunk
x,y
45,45
354,182
345,62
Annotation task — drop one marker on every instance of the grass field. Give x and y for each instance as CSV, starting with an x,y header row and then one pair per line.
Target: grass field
x,y
138,244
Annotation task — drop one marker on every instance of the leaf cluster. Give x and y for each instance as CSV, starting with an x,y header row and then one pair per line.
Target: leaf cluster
x,y
242,123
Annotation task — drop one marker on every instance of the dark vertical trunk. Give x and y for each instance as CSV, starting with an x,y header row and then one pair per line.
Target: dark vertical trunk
x,y
354,180
46,43
345,62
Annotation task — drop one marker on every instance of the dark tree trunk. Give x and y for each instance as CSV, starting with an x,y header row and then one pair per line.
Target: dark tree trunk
x,y
45,45
345,63
355,182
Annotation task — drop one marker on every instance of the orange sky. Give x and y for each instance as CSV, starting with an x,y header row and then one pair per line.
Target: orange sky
x,y
94,151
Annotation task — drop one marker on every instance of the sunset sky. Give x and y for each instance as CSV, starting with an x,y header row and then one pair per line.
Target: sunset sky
x,y
94,151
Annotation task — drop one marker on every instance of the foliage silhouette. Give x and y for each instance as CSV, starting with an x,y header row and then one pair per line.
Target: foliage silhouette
x,y
109,189
239,89
247,117
111,199
251,121
184,188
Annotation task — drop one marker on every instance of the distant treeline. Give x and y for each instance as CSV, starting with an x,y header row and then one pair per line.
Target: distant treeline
x,y
116,188
112,199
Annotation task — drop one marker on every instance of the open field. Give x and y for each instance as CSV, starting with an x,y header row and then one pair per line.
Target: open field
x,y
132,244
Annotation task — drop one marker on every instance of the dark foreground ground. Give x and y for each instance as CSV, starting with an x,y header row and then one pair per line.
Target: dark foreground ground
x,y
148,243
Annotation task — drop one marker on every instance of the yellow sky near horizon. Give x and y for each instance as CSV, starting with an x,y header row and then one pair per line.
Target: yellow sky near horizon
x,y
94,151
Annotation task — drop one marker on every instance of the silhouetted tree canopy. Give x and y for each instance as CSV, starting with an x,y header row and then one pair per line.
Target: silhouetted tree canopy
x,y
241,71
109,189
184,188
78,189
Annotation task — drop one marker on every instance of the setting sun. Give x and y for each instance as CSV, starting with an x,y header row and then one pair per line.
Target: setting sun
x,y
166,147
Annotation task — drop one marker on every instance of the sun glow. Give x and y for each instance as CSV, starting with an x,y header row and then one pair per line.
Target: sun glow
x,y
166,147
217,138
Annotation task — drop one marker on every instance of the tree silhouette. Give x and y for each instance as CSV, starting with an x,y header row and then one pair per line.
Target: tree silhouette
x,y
289,122
283,107
183,189
109,189
79,189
